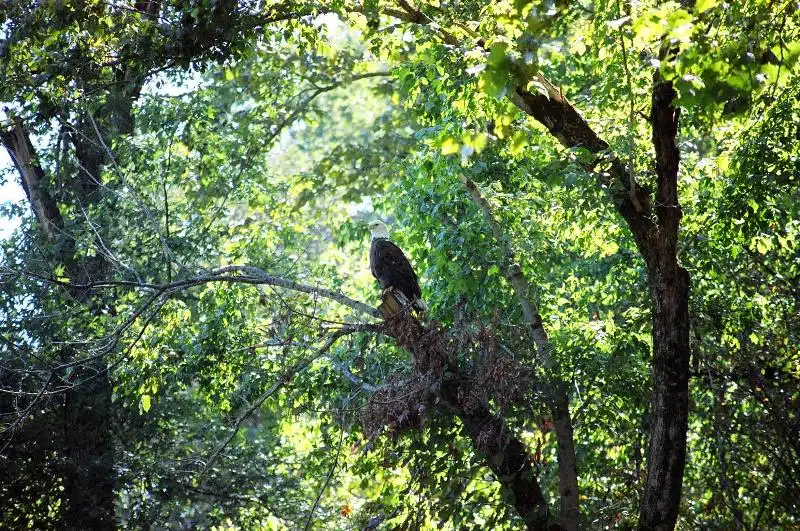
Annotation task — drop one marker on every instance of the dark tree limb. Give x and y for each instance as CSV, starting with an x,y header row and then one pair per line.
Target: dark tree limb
x,y
86,411
566,124
508,458
89,482
664,119
505,454
17,142
669,285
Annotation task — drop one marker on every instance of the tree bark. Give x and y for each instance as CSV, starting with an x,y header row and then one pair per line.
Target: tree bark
x,y
505,454
89,480
670,402
567,460
669,281
669,285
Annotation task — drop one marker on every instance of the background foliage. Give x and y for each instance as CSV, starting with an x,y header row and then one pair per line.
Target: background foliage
x,y
267,136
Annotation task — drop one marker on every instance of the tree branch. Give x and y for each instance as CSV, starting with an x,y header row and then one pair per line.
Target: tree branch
x,y
19,146
516,278
242,274
431,349
556,389
567,125
345,371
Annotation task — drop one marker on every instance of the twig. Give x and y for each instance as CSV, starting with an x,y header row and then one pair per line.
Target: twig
x,y
140,202
25,413
325,485
723,468
345,371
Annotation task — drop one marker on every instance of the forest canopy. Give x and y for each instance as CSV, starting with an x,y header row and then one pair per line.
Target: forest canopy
x,y
600,199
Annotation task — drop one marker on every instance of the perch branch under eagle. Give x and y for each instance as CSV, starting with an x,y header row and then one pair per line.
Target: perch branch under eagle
x,y
391,267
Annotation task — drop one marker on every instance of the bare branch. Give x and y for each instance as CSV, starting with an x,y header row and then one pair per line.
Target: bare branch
x,y
25,413
233,274
19,146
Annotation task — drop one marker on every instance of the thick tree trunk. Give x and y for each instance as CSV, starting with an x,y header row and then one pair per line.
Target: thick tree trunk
x,y
669,287
670,403
567,463
33,180
669,282
89,480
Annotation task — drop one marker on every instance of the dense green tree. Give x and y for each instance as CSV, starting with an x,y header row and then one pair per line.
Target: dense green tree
x,y
600,198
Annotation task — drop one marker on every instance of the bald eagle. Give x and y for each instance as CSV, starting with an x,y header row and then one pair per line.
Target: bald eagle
x,y
391,267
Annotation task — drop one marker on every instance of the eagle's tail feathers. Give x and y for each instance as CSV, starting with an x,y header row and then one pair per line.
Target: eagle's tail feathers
x,y
420,305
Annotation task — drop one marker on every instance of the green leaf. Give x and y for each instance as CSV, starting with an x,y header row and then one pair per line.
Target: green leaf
x,y
701,6
518,143
450,147
145,403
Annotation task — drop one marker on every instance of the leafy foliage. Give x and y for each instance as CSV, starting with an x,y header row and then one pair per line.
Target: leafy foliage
x,y
266,134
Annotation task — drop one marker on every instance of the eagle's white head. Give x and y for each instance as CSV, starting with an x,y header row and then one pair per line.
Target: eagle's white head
x,y
378,229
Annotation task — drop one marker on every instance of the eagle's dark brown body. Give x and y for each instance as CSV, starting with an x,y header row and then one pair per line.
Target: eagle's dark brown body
x,y
393,270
